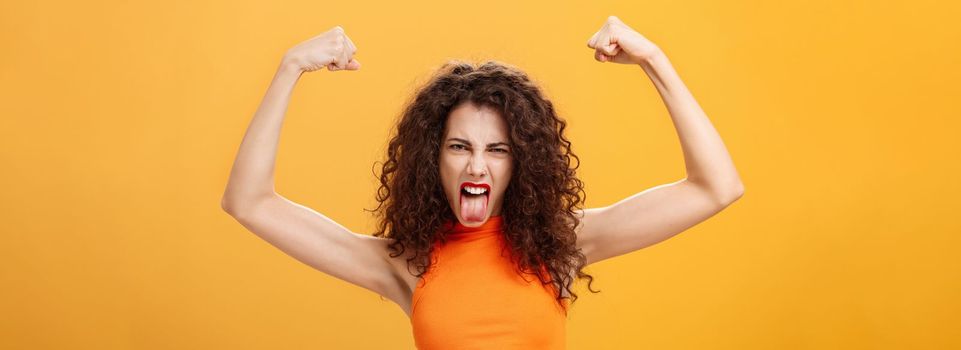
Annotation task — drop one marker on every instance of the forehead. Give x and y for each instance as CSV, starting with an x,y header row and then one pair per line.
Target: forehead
x,y
476,123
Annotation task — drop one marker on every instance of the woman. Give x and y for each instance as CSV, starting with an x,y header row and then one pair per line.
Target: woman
x,y
480,220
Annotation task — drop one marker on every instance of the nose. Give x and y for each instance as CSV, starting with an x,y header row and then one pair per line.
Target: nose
x,y
477,165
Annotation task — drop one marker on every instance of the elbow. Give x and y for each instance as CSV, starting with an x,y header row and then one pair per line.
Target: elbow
x,y
235,210
238,207
231,205
733,193
724,193
227,205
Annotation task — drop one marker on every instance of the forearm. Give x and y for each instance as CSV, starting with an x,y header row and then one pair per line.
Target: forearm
x,y
706,159
252,175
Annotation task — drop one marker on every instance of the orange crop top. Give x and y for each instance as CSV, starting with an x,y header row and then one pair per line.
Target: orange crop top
x,y
472,298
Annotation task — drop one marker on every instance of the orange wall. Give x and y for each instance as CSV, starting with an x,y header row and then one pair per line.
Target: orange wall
x,y
121,119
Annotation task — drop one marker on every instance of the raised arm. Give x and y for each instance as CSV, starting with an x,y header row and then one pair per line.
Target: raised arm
x,y
298,231
662,211
252,176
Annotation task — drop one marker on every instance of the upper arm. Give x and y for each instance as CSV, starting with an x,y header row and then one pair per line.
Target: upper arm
x,y
645,218
323,244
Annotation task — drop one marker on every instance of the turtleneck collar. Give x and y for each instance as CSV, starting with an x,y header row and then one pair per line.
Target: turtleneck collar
x,y
492,225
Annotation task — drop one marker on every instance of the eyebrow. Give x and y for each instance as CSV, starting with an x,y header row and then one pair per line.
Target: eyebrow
x,y
488,145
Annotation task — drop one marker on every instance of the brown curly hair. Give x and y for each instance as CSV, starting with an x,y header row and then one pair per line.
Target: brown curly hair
x,y
540,202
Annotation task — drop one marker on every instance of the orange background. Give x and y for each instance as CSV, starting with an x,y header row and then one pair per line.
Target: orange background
x,y
121,121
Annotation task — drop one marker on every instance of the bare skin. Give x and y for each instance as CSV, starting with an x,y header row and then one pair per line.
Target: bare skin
x,y
302,233
476,148
660,212
638,221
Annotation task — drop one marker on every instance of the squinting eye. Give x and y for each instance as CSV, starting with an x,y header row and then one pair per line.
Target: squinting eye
x,y
500,150
455,146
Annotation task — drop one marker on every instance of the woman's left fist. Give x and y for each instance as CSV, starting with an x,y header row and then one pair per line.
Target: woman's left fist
x,y
618,43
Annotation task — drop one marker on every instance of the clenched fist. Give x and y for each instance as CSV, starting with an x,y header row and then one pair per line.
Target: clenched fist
x,y
618,43
331,49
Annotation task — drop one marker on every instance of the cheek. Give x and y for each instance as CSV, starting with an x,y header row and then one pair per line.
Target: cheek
x,y
505,170
445,169
448,174
504,179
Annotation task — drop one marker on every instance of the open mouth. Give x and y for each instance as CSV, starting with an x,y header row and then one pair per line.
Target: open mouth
x,y
474,198
471,189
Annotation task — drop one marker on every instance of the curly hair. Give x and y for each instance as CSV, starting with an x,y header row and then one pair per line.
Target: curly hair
x,y
540,202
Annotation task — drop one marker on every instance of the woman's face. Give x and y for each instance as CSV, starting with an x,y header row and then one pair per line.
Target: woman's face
x,y
475,149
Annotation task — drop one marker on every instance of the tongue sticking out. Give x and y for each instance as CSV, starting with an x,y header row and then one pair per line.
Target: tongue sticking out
x,y
473,207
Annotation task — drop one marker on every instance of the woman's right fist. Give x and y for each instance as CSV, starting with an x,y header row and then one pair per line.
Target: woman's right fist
x,y
331,49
